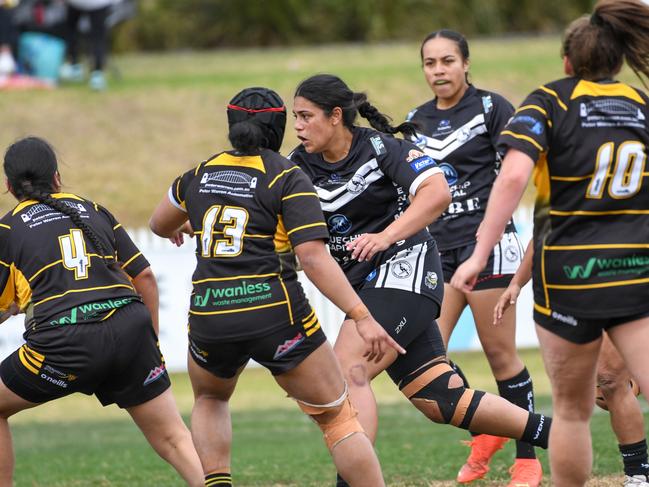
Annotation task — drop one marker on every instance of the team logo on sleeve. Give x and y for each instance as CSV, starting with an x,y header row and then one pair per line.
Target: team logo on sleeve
x,y
532,124
449,173
422,162
487,103
339,224
378,145
420,141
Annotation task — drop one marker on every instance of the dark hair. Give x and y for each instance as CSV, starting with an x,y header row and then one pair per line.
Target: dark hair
x,y
597,45
328,92
30,165
257,119
459,39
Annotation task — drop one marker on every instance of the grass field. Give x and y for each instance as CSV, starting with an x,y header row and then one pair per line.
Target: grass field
x,y
122,148
74,442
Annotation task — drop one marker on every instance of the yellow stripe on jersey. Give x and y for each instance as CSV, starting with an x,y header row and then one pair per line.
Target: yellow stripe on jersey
x,y
109,314
5,226
310,225
131,259
252,235
571,178
229,278
56,296
541,178
26,362
313,330
117,226
555,94
599,285
288,299
295,195
542,310
238,310
253,162
543,278
281,241
598,213
532,107
597,246
45,267
284,172
17,289
589,88
523,137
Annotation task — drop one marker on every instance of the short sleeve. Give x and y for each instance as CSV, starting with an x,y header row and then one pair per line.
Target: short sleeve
x,y
529,128
300,209
178,189
405,164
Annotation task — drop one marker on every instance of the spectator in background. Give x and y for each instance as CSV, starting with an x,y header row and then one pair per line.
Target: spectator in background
x,y
97,12
7,39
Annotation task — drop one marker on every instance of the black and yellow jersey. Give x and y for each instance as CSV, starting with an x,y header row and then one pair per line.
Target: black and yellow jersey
x,y
462,139
591,231
48,265
248,213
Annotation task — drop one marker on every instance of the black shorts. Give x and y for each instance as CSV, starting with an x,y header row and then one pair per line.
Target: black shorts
x,y
279,351
501,267
580,330
409,318
118,360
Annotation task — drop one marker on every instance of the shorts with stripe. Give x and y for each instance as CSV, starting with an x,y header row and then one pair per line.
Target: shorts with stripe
x,y
501,266
118,360
580,330
416,269
279,351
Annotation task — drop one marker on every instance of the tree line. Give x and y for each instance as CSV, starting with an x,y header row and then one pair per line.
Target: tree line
x,y
204,24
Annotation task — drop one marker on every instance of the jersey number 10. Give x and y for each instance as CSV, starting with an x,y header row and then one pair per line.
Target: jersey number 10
x,y
627,173
234,220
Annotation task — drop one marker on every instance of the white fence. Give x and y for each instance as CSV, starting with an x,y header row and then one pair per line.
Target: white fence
x,y
173,268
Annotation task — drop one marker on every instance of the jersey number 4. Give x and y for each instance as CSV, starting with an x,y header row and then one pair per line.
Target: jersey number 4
x,y
234,220
73,250
627,173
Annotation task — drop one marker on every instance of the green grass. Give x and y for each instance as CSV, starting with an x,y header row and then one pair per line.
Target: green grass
x,y
74,442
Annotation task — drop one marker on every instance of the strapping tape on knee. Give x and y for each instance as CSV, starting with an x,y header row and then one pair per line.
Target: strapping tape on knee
x,y
448,401
338,426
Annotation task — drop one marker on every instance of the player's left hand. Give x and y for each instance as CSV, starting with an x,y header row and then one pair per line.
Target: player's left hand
x,y
466,275
367,245
178,238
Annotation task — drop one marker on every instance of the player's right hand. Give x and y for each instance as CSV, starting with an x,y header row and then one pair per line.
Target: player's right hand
x,y
376,339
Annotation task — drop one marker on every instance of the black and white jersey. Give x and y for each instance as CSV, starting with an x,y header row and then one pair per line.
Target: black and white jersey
x,y
48,263
462,140
248,212
364,193
591,227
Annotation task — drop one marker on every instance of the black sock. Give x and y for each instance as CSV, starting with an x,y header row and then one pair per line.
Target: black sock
x,y
340,482
218,479
634,457
537,430
459,372
518,390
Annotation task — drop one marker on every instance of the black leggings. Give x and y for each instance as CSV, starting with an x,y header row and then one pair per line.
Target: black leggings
x,y
409,318
98,34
